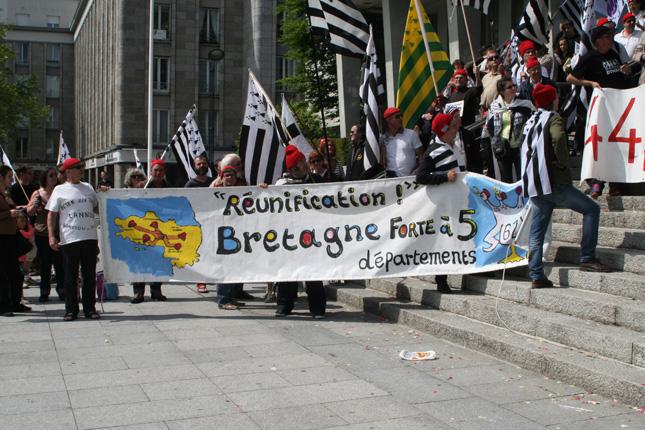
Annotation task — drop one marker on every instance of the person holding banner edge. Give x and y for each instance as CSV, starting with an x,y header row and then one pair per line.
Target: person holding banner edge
x,y
547,181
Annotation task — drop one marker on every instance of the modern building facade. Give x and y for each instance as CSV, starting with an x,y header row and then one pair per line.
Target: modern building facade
x,y
43,46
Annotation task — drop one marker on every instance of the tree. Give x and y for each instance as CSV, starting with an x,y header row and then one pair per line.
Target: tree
x,y
18,100
308,52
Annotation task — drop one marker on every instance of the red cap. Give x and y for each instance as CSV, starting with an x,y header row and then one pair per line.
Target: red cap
x,y
602,21
391,111
525,46
532,62
159,162
460,72
441,123
544,95
293,156
70,162
628,15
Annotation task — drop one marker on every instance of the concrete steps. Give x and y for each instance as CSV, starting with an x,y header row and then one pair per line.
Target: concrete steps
x,y
626,260
613,237
593,372
624,219
614,342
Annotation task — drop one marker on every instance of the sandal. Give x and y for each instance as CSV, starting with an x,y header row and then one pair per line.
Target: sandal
x,y
228,307
93,316
69,317
201,288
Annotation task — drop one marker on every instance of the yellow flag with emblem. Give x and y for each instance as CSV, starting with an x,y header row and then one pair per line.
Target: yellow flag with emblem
x,y
416,87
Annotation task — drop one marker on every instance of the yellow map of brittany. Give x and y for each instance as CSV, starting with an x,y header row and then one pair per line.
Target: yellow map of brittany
x,y
180,243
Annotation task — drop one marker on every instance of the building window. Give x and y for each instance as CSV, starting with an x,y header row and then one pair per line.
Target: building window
x,y
207,77
160,74
22,53
208,129
160,127
53,86
209,19
22,147
53,55
162,22
286,69
53,21
22,19
53,119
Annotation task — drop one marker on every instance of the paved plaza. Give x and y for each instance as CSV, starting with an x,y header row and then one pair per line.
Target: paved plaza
x,y
185,364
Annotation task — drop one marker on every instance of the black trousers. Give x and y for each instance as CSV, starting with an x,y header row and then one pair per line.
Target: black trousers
x,y
81,253
47,258
140,288
10,273
509,163
287,292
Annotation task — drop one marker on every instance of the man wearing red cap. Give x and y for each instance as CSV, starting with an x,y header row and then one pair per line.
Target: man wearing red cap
x,y
71,207
442,160
157,180
547,181
534,72
527,50
629,37
298,173
400,147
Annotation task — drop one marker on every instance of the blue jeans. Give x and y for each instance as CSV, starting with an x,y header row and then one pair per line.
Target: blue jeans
x,y
227,292
563,196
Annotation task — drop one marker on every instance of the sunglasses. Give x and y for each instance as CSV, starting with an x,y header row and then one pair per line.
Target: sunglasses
x,y
494,57
137,176
510,87
630,21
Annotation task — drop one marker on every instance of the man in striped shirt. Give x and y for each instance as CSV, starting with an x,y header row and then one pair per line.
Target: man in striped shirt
x,y
444,157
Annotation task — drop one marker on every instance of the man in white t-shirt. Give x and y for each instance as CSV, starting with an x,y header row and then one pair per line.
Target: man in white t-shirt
x,y
400,147
71,213
629,36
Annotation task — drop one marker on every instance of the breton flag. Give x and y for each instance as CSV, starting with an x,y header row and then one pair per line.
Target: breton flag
x,y
341,23
481,5
369,93
575,106
63,150
535,155
588,22
136,158
5,158
415,87
572,11
536,23
187,144
261,145
295,137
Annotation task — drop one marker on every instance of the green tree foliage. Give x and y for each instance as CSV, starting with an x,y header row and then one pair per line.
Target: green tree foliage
x,y
296,36
18,100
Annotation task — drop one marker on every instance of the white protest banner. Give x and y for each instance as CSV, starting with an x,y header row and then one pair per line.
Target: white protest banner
x,y
351,230
614,147
449,107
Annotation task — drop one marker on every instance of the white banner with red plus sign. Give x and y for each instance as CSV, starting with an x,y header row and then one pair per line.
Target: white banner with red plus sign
x,y
615,129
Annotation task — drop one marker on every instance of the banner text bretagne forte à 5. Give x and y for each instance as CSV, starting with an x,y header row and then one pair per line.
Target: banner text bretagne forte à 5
x,y
349,230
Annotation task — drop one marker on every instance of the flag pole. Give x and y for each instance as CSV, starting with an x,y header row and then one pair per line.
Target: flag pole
x,y
268,99
425,43
150,79
470,43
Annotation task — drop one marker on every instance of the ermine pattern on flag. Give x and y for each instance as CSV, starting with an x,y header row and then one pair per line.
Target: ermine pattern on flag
x,y
342,23
261,146
63,150
369,92
536,23
187,145
481,5
295,136
536,180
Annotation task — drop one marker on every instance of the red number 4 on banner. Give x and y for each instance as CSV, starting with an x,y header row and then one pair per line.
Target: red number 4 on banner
x,y
632,140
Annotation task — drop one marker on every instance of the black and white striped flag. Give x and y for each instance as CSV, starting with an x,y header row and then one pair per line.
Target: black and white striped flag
x,y
572,11
536,179
342,23
369,93
261,141
295,136
63,150
187,144
535,23
574,106
481,5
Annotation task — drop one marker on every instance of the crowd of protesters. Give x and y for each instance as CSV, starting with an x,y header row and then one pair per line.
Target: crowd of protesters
x,y
56,217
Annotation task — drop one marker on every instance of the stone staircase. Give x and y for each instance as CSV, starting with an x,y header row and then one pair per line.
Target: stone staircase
x,y
589,331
